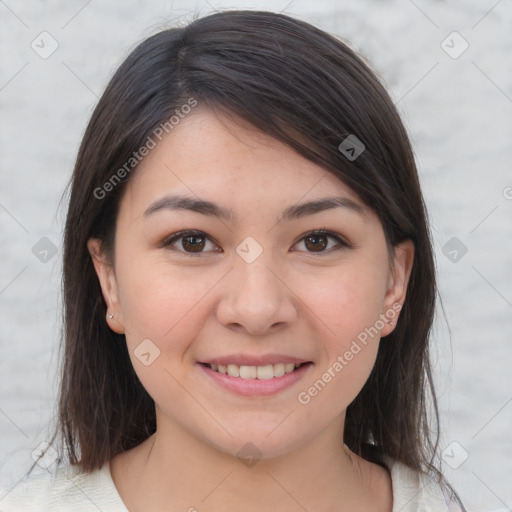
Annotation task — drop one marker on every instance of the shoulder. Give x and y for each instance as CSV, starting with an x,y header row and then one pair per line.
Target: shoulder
x,y
414,491
64,489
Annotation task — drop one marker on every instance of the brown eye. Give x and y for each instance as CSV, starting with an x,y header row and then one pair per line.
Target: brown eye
x,y
192,242
195,242
318,241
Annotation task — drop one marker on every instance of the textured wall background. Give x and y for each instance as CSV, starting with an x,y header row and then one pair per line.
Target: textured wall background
x,y
455,94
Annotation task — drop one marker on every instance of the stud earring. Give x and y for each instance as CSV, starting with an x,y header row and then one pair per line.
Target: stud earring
x,y
111,316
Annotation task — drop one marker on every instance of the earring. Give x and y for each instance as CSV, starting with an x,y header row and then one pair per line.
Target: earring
x,y
111,316
391,323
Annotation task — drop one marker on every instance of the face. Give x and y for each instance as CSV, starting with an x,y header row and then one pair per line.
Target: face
x,y
258,286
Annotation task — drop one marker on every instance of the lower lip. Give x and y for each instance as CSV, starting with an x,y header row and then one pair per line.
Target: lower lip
x,y
256,387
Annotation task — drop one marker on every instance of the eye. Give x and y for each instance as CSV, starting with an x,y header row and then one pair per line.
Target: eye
x,y
192,242
317,241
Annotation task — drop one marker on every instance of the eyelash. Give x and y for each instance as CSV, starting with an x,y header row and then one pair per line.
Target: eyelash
x,y
342,243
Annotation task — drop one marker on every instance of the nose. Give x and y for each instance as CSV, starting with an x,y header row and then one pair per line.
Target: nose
x,y
257,299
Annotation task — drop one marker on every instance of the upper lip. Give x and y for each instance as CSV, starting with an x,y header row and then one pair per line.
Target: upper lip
x,y
262,360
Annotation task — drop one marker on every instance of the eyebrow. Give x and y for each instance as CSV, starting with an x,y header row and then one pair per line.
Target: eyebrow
x,y
296,211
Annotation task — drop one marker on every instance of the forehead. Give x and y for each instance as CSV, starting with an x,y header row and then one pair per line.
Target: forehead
x,y
213,156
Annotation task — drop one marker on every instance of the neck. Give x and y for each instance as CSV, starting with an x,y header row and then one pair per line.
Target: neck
x,y
175,468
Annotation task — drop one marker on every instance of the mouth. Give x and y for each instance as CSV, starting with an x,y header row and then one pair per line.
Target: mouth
x,y
264,380
263,372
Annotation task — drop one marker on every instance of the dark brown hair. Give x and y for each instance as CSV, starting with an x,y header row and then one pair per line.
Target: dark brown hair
x,y
309,90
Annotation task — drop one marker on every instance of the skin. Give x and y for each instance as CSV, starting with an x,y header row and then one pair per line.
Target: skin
x,y
291,300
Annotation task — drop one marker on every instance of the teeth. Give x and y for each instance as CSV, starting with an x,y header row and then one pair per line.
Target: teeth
x,y
248,372
233,370
279,369
265,372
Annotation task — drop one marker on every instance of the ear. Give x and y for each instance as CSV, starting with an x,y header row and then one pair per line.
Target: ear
x,y
108,283
397,284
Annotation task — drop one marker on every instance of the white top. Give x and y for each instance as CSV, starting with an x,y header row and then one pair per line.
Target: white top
x,y
67,489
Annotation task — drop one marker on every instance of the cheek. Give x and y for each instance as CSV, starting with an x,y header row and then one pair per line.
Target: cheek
x,y
346,302
163,304
167,308
347,309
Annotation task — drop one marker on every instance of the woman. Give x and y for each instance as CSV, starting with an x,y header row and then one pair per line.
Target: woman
x,y
249,285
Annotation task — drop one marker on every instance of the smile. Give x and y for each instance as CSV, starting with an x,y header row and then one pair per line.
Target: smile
x,y
253,381
264,372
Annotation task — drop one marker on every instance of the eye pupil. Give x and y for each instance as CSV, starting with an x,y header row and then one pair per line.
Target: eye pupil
x,y
317,245
193,245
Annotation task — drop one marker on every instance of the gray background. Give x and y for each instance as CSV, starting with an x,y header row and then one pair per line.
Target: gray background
x,y
457,110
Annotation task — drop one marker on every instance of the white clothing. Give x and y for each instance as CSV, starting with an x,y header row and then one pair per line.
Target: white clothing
x,y
66,489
